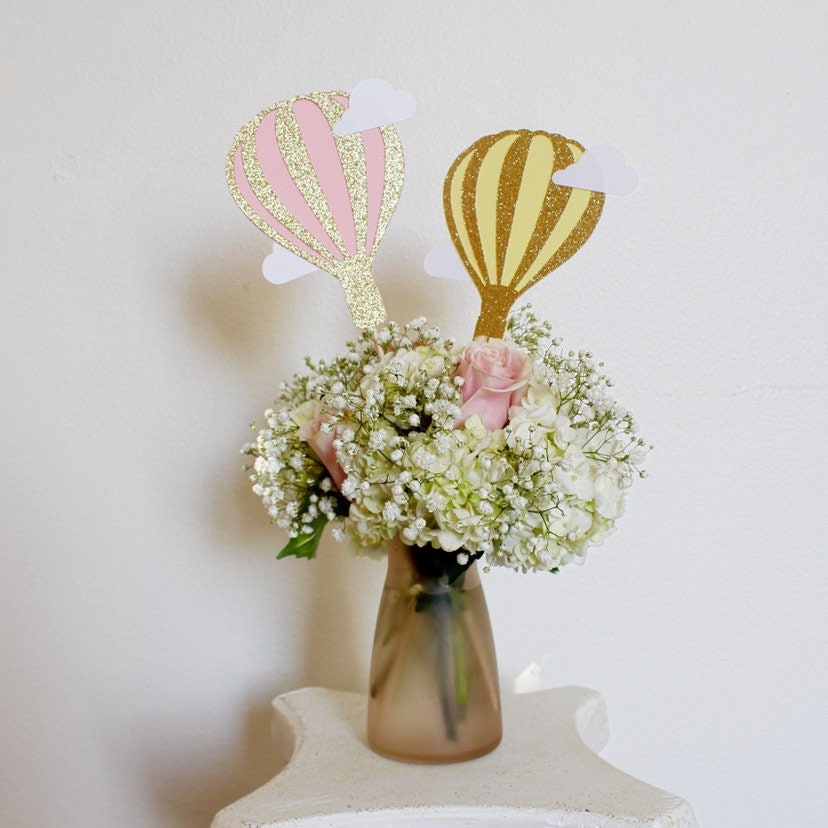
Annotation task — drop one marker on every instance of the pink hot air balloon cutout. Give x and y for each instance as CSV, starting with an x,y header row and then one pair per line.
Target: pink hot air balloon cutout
x,y
326,198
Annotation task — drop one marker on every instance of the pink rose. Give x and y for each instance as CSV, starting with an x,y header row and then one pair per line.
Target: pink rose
x,y
495,376
322,444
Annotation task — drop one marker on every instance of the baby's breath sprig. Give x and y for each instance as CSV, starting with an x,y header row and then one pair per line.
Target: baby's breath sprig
x,y
527,330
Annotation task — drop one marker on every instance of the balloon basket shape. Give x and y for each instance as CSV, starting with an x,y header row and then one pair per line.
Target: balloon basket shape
x,y
434,694
494,311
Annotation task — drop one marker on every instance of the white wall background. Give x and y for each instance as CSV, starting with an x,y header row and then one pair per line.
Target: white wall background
x,y
145,623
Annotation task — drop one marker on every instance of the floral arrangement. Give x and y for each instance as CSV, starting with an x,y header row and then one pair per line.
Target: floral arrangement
x,y
507,448
512,449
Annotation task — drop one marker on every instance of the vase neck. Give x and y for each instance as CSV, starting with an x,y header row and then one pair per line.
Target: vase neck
x,y
404,572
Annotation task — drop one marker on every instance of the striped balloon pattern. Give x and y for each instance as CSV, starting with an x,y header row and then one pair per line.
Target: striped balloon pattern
x,y
326,198
510,223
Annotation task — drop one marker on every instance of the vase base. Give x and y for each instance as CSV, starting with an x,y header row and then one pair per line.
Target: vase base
x,y
438,759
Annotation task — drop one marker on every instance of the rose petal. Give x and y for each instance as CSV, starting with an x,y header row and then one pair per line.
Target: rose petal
x,y
495,375
322,445
491,405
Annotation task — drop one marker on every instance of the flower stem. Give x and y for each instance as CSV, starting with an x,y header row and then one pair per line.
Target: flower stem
x,y
442,617
461,667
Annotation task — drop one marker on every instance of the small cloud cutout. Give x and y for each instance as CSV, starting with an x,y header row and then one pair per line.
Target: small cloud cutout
x,y
283,266
444,263
537,676
601,169
374,103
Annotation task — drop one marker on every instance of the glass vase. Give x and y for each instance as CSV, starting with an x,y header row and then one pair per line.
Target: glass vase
x,y
434,694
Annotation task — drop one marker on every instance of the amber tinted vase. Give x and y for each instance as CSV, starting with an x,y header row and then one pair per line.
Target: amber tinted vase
x,y
434,694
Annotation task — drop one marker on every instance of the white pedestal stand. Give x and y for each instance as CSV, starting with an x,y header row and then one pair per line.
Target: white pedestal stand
x,y
545,774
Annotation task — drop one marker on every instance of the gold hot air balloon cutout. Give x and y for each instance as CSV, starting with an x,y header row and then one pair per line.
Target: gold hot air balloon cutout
x,y
326,198
510,223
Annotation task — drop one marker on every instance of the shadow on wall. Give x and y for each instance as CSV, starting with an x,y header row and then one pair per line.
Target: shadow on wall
x,y
250,329
254,326
266,330
343,598
189,783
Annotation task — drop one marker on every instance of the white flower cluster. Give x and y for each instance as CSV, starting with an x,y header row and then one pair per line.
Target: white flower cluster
x,y
531,495
288,476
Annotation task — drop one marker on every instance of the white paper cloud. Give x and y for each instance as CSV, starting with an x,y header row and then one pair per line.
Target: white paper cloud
x,y
374,103
537,676
444,263
283,266
602,169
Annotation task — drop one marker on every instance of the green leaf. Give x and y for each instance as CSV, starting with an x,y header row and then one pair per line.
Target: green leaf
x,y
305,544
